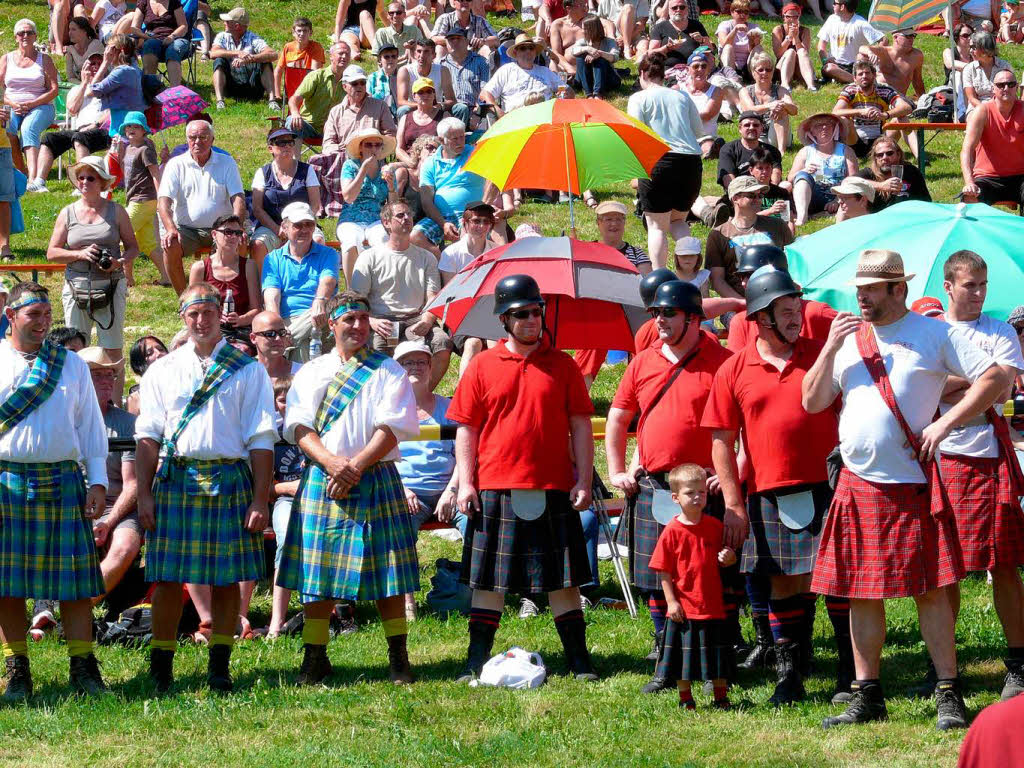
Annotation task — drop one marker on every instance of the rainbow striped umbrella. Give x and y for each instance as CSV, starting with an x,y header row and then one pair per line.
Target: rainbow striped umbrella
x,y
887,15
566,144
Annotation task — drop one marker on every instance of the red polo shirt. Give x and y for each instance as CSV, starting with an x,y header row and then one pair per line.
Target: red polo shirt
x,y
786,445
521,407
818,319
672,435
689,555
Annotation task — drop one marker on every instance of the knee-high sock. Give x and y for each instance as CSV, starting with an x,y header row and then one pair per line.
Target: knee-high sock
x,y
759,588
786,615
656,602
810,611
839,615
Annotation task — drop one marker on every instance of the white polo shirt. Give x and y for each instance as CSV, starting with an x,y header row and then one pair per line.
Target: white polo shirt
x,y
200,194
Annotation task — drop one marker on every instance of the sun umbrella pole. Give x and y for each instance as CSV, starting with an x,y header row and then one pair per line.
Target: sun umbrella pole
x,y
568,181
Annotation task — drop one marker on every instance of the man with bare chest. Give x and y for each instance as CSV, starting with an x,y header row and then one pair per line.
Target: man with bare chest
x,y
564,34
899,65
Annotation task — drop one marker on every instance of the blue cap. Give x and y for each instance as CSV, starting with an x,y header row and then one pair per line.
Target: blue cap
x,y
134,118
699,54
456,31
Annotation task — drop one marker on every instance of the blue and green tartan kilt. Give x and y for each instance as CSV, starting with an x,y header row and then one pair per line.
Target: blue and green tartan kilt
x,y
362,547
773,549
644,531
200,535
697,649
502,553
47,550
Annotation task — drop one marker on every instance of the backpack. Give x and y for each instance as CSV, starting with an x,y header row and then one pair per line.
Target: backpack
x,y
448,595
936,106
133,628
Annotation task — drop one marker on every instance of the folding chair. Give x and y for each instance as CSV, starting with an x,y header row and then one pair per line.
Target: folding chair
x,y
293,77
60,107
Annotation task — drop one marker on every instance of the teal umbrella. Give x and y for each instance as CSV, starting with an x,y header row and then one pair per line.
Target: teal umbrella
x,y
924,234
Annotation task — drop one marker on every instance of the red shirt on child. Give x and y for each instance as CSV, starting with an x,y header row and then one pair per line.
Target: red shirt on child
x,y
689,555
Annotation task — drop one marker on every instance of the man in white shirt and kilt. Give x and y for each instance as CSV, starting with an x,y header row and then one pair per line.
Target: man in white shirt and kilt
x,y
350,535
50,426
209,410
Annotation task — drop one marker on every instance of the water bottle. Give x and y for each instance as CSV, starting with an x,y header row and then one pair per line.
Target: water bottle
x,y
315,345
229,303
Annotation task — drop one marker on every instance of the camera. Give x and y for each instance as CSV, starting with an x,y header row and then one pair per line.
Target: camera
x,y
104,259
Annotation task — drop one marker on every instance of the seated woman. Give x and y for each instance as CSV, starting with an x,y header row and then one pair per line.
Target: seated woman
x,y
791,44
285,179
421,121
738,39
823,163
162,24
769,100
118,83
706,96
108,18
366,186
595,56
228,271
84,43
977,76
894,180
144,352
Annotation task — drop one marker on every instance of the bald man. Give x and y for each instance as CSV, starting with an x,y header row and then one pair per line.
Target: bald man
x,y
272,338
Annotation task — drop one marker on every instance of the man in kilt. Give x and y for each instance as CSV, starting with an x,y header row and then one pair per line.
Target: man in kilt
x,y
757,393
980,468
890,531
668,384
50,424
208,410
350,536
525,457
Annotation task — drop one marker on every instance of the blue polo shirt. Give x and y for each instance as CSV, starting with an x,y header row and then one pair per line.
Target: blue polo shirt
x,y
297,280
454,188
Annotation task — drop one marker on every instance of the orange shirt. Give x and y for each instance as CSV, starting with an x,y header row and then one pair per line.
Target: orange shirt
x,y
291,56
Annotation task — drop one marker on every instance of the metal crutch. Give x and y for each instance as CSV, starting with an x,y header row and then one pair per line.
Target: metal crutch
x,y
605,522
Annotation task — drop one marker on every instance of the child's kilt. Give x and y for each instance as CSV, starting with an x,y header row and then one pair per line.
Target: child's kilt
x,y
200,535
362,547
772,548
47,550
881,541
697,649
502,553
989,520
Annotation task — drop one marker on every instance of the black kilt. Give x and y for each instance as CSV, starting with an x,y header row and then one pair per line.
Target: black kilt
x,y
697,649
501,553
773,549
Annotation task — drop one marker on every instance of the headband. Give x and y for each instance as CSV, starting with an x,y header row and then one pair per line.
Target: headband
x,y
204,299
29,298
351,306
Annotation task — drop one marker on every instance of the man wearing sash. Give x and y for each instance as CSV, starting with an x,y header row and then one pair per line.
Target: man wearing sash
x,y
890,531
525,457
50,424
209,410
757,393
669,384
350,536
980,468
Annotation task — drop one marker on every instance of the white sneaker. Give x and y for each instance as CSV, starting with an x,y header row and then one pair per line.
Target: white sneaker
x,y
527,608
221,104
35,185
274,106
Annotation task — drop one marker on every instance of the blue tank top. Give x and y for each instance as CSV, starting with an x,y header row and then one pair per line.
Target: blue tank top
x,y
276,197
831,168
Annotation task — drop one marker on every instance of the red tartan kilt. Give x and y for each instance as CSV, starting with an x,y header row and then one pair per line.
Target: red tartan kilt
x,y
880,541
991,533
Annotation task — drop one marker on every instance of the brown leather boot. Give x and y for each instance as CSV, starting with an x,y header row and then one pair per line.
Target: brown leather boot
x,y
398,660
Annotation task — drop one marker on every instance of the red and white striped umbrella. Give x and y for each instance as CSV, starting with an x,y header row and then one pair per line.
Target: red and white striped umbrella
x,y
591,290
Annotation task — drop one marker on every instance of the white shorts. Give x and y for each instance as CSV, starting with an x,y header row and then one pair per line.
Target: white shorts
x,y
360,236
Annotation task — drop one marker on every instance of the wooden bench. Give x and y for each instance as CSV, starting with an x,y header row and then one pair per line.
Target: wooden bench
x,y
35,269
919,129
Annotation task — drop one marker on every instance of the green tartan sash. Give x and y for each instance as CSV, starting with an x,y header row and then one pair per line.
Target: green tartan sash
x,y
36,389
350,378
226,363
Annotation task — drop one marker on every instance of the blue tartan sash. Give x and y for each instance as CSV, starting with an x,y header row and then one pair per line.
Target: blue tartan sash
x,y
227,362
350,378
36,389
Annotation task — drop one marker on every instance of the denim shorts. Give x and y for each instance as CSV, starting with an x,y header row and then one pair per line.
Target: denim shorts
x,y
32,125
432,231
176,51
820,195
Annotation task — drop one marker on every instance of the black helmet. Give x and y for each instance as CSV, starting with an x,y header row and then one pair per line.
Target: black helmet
x,y
766,285
516,291
754,257
650,283
681,295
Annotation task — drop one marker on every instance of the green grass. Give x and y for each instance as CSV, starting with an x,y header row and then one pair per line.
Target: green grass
x,y
360,719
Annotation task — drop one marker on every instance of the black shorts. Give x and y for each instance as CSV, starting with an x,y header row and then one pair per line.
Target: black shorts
x,y
673,186
251,88
999,189
59,142
861,148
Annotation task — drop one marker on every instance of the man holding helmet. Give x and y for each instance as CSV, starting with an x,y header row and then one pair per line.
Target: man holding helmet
x,y
757,394
671,380
519,485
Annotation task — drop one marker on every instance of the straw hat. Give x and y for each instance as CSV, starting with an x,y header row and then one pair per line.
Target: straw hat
x,y
880,266
801,132
92,163
98,357
352,148
525,39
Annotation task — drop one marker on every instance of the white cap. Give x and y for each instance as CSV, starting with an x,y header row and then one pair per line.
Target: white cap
x,y
352,73
296,212
409,347
687,246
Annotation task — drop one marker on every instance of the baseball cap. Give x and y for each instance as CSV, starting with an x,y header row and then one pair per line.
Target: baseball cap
x,y
409,348
353,73
237,15
745,184
480,205
296,212
748,115
422,83
687,246
928,306
852,185
276,133
611,206
385,47
457,31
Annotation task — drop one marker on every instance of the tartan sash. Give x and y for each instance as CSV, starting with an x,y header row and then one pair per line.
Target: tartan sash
x,y
226,363
1009,457
36,389
868,349
347,382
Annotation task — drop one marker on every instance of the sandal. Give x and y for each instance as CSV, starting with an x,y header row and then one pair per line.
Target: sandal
x,y
6,255
245,631
589,199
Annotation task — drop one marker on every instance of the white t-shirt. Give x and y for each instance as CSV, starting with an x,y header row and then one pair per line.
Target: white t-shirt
x,y
511,84
919,352
89,114
845,38
112,13
998,340
258,182
456,256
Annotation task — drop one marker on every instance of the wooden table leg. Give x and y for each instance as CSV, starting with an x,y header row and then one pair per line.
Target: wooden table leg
x,y
922,156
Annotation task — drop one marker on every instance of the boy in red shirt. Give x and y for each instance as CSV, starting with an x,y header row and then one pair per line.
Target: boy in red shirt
x,y
688,557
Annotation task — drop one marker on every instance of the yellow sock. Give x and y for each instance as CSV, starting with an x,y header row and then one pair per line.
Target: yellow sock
x,y
216,639
315,631
15,648
394,627
79,647
163,645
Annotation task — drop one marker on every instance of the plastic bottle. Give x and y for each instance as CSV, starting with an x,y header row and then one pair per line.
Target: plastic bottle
x,y
315,345
229,303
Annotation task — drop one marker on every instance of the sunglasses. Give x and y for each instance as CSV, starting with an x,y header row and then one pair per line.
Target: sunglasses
x,y
1009,84
231,232
748,195
663,312
678,8
523,314
763,69
273,334
374,144
965,36
698,66
25,33
284,142
87,178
